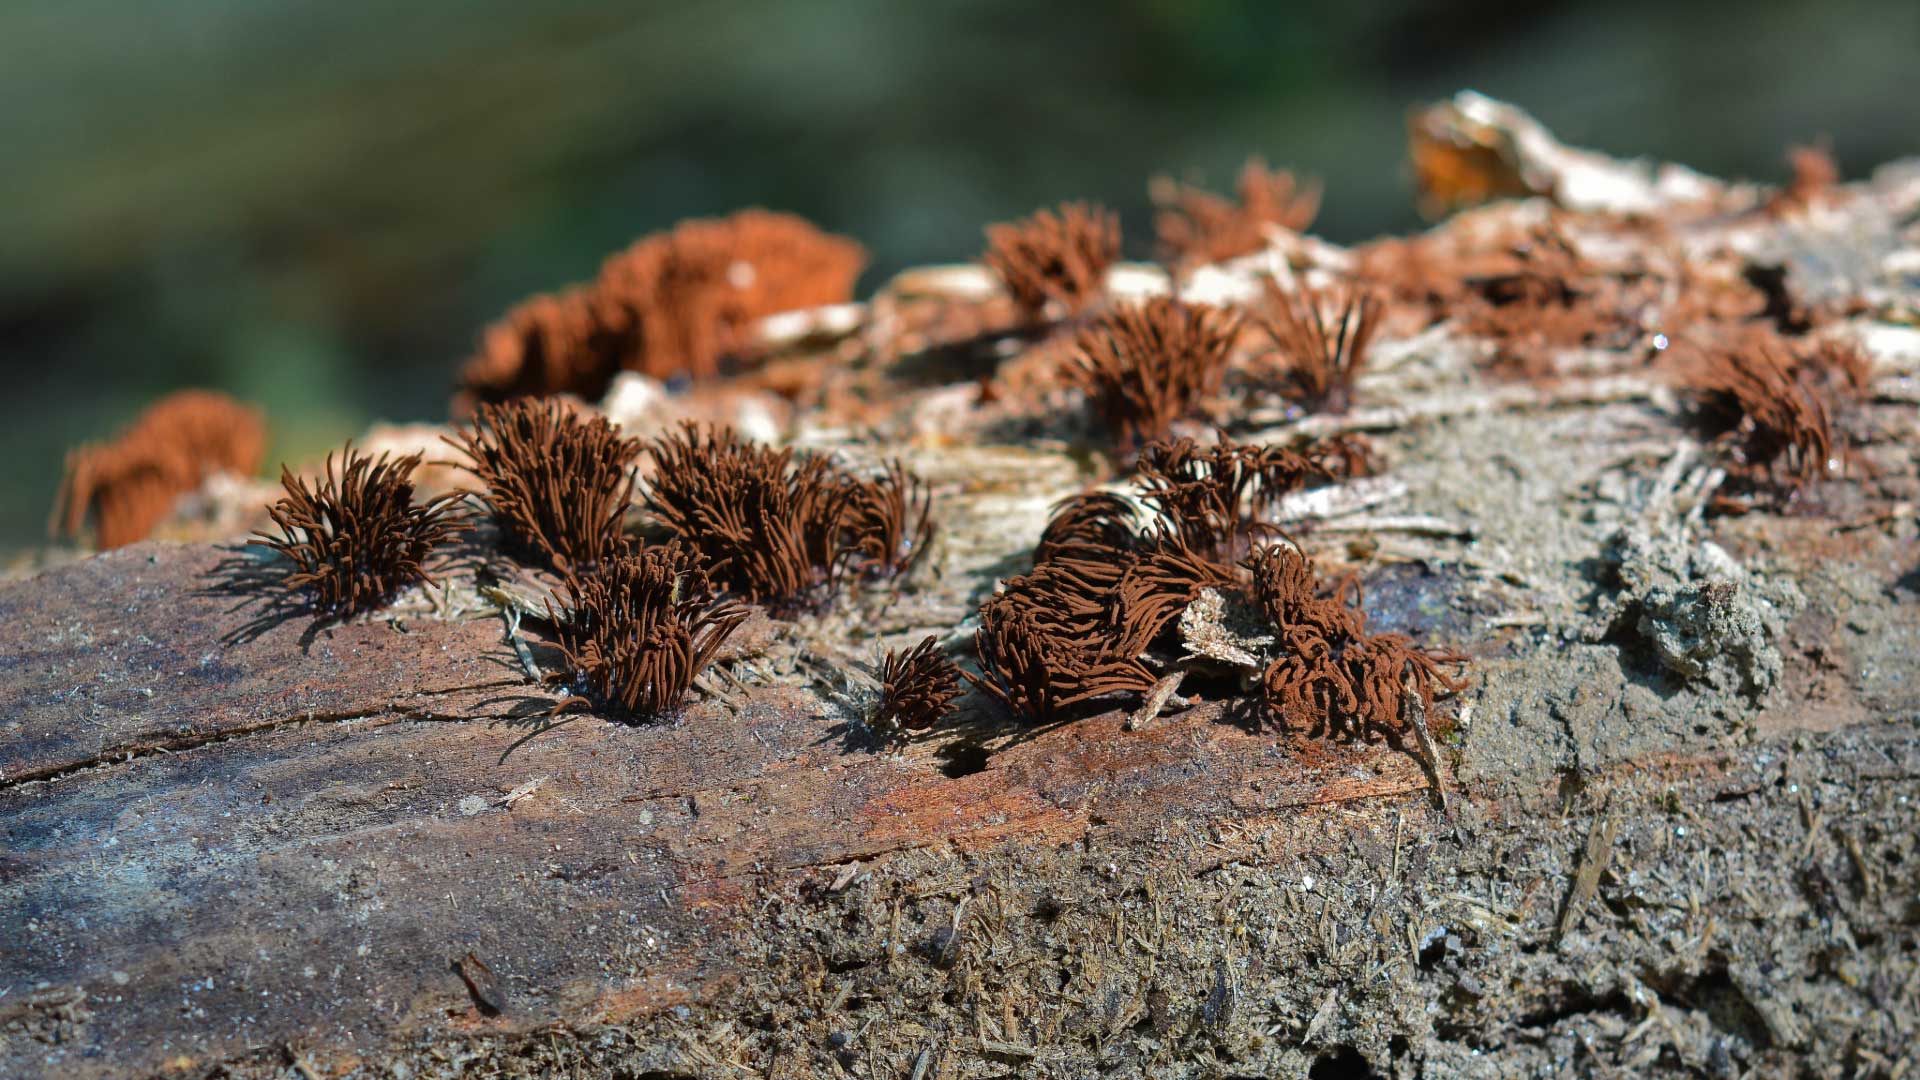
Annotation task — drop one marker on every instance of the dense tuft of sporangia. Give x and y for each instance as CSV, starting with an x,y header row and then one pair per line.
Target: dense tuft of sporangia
x,y
1196,226
1146,366
556,482
1055,256
1770,409
917,688
781,527
1114,574
356,537
1322,341
129,485
641,627
673,303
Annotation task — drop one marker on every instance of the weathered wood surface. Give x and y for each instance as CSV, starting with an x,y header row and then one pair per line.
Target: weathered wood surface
x,y
214,846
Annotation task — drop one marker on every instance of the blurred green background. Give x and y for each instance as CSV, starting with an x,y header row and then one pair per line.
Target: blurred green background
x,y
316,205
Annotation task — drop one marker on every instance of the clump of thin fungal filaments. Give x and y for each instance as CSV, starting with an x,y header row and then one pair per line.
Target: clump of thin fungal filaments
x,y
568,342
557,484
1766,407
673,303
356,537
1329,677
917,688
1222,497
1323,341
1037,666
1113,574
1060,256
695,291
641,627
1544,296
128,486
781,527
890,520
1197,226
1148,365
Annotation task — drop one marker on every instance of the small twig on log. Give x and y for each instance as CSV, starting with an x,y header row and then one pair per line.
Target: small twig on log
x,y
1418,524
512,607
1429,754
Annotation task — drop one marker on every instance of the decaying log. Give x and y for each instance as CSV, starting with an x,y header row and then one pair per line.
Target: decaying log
x,y
1677,831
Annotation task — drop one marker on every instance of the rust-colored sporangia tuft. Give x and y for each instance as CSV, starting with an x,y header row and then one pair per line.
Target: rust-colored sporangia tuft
x,y
1094,618
639,628
1544,296
1197,226
1092,525
1113,573
558,484
1323,344
890,520
693,292
768,525
673,303
1775,424
1036,669
779,527
1062,256
569,342
1148,365
917,688
356,537
129,485
1220,498
1156,588
1329,677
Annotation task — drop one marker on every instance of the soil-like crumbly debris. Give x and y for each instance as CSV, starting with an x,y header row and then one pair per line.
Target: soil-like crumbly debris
x,y
1703,615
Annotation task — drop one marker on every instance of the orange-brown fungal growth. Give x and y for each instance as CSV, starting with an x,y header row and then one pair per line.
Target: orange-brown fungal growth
x,y
1197,226
1329,677
1323,341
1036,666
917,688
557,484
778,527
673,303
639,628
1147,365
889,519
570,342
1111,575
1544,296
1062,256
693,292
768,525
129,485
1774,423
1839,366
1094,619
1095,525
356,537
1220,498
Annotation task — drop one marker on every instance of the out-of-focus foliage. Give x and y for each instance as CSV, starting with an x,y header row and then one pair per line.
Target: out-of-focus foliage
x,y
317,206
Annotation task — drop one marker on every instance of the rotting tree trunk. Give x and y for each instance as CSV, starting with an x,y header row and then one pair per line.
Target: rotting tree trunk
x,y
253,846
